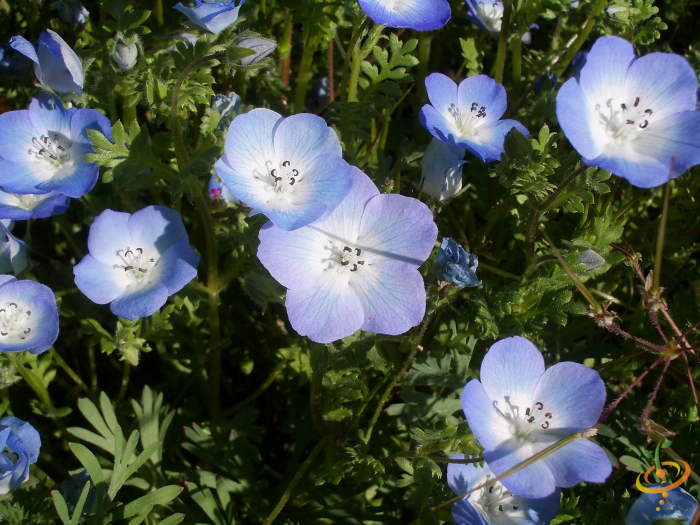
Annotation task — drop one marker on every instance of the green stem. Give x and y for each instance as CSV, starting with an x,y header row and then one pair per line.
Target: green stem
x,y
126,372
295,481
503,41
348,58
424,42
516,48
304,74
158,10
581,38
661,238
359,53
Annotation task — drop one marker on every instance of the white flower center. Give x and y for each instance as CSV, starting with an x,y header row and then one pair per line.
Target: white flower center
x,y
491,15
467,123
281,179
344,258
498,505
54,152
137,264
528,426
15,320
623,121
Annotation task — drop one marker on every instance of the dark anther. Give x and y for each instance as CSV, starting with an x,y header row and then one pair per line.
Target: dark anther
x,y
623,106
277,179
55,137
344,263
609,103
530,419
361,262
46,140
482,109
539,405
153,260
127,268
548,415
475,105
545,424
597,107
644,124
139,250
2,310
500,507
14,304
515,507
296,172
53,157
27,330
143,270
41,151
630,121
292,181
636,102
29,312
354,268
491,489
527,411
286,163
358,251
347,249
61,147
647,111
273,174
128,252
3,333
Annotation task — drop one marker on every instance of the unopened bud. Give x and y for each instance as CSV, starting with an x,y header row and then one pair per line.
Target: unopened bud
x,y
125,56
262,47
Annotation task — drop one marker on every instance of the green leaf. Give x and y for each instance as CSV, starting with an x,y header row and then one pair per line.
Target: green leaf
x,y
157,497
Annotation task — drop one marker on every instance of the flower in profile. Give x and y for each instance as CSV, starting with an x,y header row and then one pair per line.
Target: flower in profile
x,y
634,117
28,316
518,409
422,15
289,169
488,15
136,261
442,170
678,505
13,64
358,268
454,265
71,11
262,47
13,252
494,504
467,116
210,15
20,443
219,192
22,207
56,65
42,148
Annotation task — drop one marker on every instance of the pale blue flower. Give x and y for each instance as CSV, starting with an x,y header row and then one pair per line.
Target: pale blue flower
x,y
227,106
55,64
42,148
219,191
454,265
136,261
591,259
488,15
468,116
358,268
28,316
13,252
678,505
289,169
125,56
442,170
20,443
262,47
494,504
633,117
210,15
518,409
422,15
22,207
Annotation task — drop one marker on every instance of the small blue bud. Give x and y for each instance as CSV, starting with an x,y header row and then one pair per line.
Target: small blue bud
x,y
125,56
71,12
262,47
454,265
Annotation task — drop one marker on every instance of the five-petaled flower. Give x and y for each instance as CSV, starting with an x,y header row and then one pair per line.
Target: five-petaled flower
x,y
356,269
211,15
442,170
42,148
454,265
677,505
20,444
289,169
28,316
467,116
488,15
136,261
55,64
519,409
634,117
422,15
494,504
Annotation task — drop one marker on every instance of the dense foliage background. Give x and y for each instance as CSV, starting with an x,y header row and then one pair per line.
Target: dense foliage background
x,y
246,403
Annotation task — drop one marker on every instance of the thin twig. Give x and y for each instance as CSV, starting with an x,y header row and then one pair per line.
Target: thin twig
x,y
627,390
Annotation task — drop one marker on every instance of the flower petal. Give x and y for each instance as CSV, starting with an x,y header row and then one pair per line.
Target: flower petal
x,y
484,420
177,266
679,505
437,125
483,90
579,121
302,138
603,76
109,233
463,513
139,301
214,17
23,207
422,15
580,460
61,69
488,143
16,135
463,476
157,226
100,282
442,92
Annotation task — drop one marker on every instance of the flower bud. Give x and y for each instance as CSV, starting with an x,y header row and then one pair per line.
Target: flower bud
x,y
454,265
125,56
442,170
262,47
71,12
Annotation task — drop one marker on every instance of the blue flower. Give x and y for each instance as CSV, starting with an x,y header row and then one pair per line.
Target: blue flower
x,y
42,148
488,15
210,15
71,12
289,169
422,15
13,65
454,265
20,443
519,409
28,316
467,116
56,65
442,170
227,106
23,207
262,47
539,83
494,504
13,252
678,504
358,268
633,117
577,64
217,190
136,261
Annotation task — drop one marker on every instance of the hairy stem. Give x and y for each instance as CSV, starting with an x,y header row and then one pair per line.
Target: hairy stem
x,y
503,41
661,238
304,74
627,390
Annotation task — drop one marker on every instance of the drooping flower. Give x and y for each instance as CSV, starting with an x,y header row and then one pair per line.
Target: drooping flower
x,y
42,148
13,64
467,116
55,64
488,15
358,268
289,169
71,11
227,106
677,505
210,15
28,316
219,191
136,261
454,265
518,409
633,117
20,443
442,170
422,15
262,47
22,207
13,252
494,504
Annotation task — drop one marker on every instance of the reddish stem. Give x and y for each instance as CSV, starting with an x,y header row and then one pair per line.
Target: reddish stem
x,y
647,410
